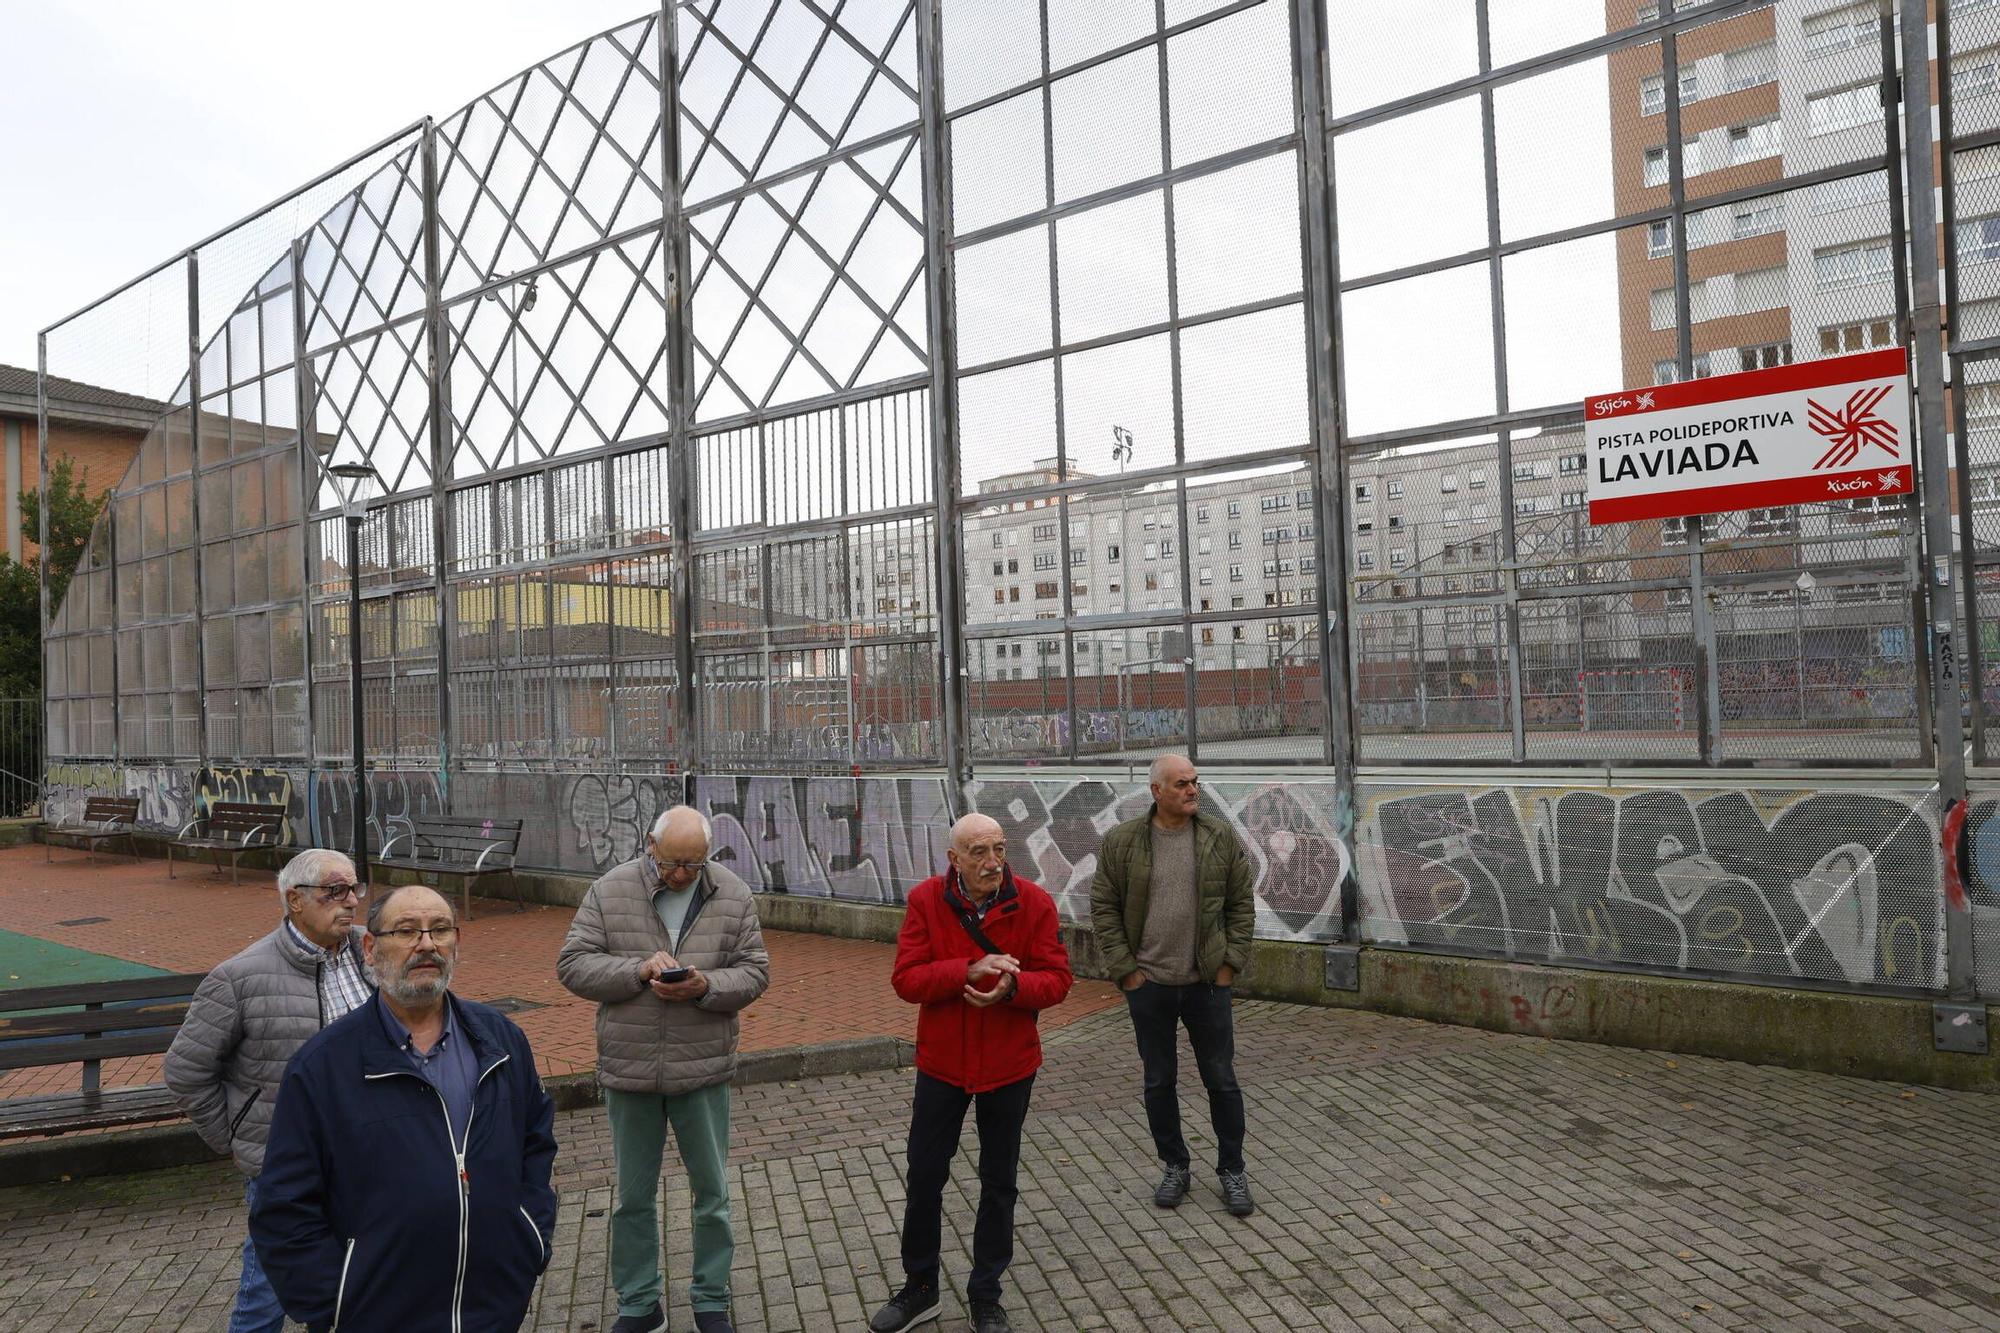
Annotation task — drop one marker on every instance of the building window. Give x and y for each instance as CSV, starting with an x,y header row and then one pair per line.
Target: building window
x,y
1398,557
1014,594
1272,503
1832,112
1045,532
1979,240
1975,75
1111,552
1395,522
1842,29
1759,217
1202,544
1152,550
1477,479
1364,525
1270,536
1077,555
1656,162
999,568
1045,560
999,596
1201,513
1849,192
1764,356
1653,92
1236,573
1236,509
1570,464
1659,238
1013,565
1152,582
1751,66
1842,339
1166,547
1205,576
999,540
1450,516
1756,141
1851,265
1448,483
1572,499
1235,541
1364,560
1395,490
1079,591
1305,499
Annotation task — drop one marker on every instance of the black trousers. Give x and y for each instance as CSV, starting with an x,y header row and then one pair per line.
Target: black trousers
x,y
937,1116
1203,1009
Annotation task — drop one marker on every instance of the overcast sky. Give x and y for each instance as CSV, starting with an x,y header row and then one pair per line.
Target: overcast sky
x,y
135,129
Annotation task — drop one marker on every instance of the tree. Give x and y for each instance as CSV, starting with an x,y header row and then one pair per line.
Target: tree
x,y
73,512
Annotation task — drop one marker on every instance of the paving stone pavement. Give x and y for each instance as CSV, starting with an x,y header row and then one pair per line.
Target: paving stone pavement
x,y
1408,1175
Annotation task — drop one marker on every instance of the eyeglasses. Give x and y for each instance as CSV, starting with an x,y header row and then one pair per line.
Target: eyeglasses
x,y
665,866
345,892
442,935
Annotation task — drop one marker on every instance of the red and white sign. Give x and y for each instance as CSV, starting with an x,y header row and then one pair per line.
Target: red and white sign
x,y
1837,429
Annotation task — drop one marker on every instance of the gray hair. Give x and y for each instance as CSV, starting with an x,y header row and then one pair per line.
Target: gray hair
x,y
309,869
707,833
1157,773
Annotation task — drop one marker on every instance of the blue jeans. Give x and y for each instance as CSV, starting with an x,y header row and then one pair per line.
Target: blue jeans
x,y
1203,1009
257,1309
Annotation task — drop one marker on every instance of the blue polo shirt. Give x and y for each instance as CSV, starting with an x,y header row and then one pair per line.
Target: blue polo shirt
x,y
451,1066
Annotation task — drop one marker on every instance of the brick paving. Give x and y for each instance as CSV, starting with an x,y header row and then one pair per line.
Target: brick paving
x,y
822,988
1409,1175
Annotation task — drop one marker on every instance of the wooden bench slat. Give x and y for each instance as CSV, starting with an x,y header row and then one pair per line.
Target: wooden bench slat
x,y
177,984
61,1112
118,1018
40,1054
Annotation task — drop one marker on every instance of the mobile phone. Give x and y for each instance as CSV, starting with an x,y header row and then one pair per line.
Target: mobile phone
x,y
672,975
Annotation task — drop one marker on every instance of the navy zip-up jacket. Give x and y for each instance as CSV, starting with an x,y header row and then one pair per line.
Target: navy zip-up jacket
x,y
370,1217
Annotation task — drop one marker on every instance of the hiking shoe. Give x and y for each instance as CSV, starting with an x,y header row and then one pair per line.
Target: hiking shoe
x,y
713,1321
653,1321
1236,1192
915,1303
1173,1186
988,1317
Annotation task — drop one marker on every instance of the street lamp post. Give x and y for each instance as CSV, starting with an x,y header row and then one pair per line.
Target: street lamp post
x,y
354,509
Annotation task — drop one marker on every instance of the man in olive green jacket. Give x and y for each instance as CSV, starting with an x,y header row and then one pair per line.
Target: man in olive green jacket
x,y
1173,909
669,947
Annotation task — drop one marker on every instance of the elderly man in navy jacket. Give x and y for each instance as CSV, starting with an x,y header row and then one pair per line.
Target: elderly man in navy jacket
x,y
440,1214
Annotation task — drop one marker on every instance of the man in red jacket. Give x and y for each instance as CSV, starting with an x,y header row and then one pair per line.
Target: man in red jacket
x,y
980,952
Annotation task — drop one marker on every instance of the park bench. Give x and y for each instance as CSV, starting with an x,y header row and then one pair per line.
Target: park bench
x,y
142,1016
462,847
232,828
104,818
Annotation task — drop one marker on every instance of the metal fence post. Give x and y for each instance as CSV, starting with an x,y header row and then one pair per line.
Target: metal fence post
x,y
680,397
1934,477
1329,427
438,354
307,456
194,506
952,700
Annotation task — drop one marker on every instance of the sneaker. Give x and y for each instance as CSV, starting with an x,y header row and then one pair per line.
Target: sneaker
x,y
1173,1186
1236,1192
988,1317
653,1321
915,1303
713,1321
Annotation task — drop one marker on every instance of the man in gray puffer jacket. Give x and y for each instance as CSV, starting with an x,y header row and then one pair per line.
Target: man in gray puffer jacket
x,y
668,945
250,1015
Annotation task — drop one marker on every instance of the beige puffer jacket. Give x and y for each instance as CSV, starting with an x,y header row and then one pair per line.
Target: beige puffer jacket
x,y
644,1043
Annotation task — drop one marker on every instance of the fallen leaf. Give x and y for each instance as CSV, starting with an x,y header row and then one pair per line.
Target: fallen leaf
x,y
1703,1305
1687,1106
1673,1064
1384,1201
1685,1254
1908,1095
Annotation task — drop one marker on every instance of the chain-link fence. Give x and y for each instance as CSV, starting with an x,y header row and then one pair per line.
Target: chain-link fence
x,y
784,388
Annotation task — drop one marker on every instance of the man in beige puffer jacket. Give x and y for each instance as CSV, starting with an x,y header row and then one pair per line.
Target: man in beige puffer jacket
x,y
668,945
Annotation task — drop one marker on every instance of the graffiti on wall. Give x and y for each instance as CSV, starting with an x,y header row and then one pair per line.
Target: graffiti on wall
x,y
1291,829
864,839
1835,885
395,800
605,815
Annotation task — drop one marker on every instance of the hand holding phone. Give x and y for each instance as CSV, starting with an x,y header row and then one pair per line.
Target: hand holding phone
x,y
672,975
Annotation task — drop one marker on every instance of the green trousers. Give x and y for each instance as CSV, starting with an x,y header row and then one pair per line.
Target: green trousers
x,y
639,1124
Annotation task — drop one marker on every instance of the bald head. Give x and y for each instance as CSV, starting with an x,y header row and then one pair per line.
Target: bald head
x,y
679,845
979,852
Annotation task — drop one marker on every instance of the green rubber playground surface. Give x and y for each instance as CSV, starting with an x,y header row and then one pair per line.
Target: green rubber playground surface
x,y
28,961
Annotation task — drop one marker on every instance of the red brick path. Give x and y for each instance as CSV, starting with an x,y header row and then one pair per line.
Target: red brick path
x,y
822,988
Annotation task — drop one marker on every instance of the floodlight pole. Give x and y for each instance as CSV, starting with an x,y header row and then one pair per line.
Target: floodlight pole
x,y
354,509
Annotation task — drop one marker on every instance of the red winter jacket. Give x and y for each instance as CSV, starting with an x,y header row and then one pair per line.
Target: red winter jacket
x,y
972,1048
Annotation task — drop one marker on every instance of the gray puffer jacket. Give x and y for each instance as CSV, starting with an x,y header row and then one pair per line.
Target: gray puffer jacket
x,y
248,1018
644,1043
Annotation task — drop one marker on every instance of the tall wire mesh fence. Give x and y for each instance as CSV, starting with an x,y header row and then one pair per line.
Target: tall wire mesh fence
x,y
769,387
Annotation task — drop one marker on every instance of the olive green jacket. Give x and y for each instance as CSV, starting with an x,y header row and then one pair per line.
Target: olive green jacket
x,y
1225,912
